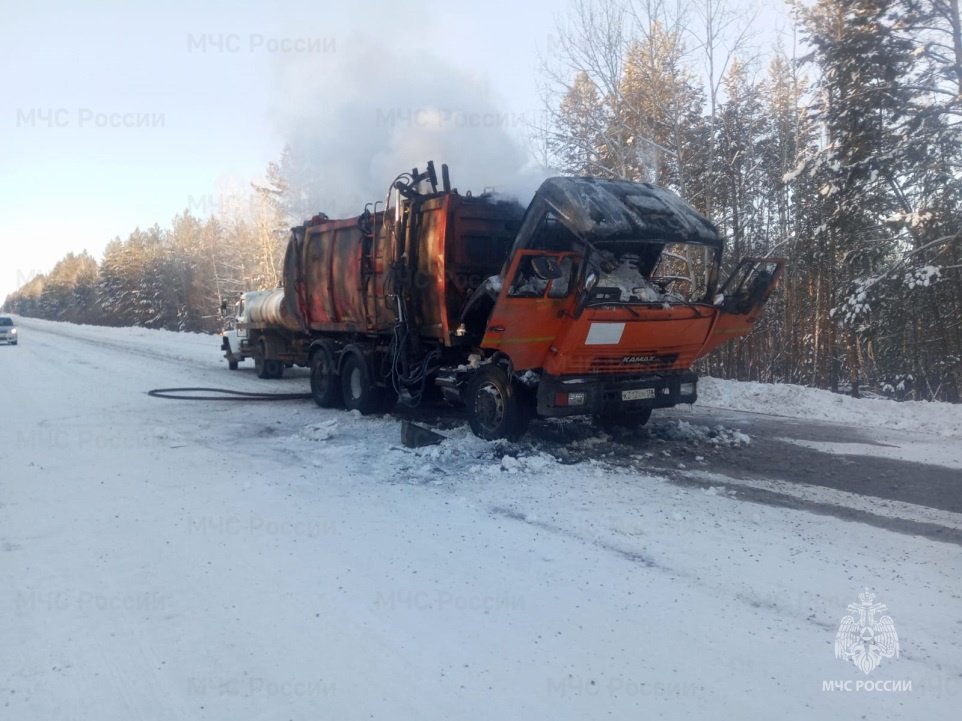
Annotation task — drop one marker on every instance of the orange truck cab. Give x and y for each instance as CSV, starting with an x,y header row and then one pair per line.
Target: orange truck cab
x,y
609,295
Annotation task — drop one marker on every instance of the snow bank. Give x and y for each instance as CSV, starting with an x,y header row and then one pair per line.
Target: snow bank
x,y
944,419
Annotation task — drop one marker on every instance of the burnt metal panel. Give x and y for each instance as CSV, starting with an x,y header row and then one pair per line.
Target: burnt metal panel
x,y
337,273
600,209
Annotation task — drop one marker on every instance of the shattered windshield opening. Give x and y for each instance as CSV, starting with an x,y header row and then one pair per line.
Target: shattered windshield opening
x,y
650,272
640,244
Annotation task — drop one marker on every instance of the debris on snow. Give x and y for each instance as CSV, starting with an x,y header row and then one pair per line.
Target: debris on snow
x,y
323,431
718,436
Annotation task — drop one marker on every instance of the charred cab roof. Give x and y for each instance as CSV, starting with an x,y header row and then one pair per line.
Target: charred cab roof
x,y
613,210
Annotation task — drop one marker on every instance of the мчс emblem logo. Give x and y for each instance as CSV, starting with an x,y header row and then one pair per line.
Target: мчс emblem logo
x,y
865,638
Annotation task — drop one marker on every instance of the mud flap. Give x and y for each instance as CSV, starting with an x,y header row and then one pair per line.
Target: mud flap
x,y
415,436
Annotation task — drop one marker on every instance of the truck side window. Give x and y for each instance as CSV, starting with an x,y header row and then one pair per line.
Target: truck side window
x,y
526,283
560,287
530,283
553,235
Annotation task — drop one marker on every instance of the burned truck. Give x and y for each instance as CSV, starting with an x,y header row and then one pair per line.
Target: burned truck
x,y
594,300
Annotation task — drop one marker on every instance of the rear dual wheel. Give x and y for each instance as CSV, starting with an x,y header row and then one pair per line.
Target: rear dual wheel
x,y
325,382
357,384
267,367
352,386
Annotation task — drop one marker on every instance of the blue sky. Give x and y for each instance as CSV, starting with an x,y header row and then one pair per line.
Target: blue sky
x,y
74,75
115,115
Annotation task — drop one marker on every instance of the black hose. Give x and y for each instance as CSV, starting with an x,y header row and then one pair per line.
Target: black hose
x,y
224,394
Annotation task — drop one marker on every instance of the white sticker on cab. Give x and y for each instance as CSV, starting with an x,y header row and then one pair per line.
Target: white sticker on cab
x,y
605,333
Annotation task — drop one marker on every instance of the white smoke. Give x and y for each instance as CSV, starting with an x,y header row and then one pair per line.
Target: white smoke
x,y
356,118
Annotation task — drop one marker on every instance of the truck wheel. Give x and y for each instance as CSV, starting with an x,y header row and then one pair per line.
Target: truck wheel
x,y
266,367
496,408
325,385
624,421
260,360
357,386
232,364
274,368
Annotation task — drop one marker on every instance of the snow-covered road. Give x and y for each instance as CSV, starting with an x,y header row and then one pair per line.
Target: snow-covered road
x,y
181,560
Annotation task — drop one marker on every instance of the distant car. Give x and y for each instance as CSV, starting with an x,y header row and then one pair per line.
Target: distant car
x,y
8,331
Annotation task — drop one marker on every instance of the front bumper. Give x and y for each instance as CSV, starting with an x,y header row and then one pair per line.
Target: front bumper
x,y
606,394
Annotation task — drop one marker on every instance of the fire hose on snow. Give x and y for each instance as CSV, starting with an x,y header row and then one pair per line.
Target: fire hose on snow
x,y
223,394
412,435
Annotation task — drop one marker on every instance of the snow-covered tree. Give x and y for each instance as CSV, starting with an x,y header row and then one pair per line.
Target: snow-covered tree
x,y
578,141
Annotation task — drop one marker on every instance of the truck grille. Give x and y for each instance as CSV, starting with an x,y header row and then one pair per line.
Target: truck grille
x,y
629,363
620,365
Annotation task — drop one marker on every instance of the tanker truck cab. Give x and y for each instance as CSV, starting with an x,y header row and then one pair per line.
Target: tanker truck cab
x,y
608,297
234,335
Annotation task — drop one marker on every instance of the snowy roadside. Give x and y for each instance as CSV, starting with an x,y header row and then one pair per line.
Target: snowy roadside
x,y
199,348
224,561
792,401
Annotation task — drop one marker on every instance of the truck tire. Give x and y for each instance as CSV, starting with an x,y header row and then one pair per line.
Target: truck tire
x,y
260,360
357,385
266,367
325,384
496,408
275,368
232,364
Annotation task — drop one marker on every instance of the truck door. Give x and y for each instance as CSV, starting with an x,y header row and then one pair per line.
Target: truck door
x,y
742,298
533,305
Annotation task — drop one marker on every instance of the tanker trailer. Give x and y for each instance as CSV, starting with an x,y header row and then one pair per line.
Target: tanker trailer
x,y
263,328
595,300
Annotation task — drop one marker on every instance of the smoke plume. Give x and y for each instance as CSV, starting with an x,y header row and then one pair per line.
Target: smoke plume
x,y
356,118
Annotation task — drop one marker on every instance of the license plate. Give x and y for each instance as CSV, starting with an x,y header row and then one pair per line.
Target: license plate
x,y
637,394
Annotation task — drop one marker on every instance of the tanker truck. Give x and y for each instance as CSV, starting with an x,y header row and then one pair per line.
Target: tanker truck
x,y
595,300
260,328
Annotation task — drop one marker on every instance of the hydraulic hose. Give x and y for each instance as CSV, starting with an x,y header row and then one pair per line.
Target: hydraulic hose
x,y
223,394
